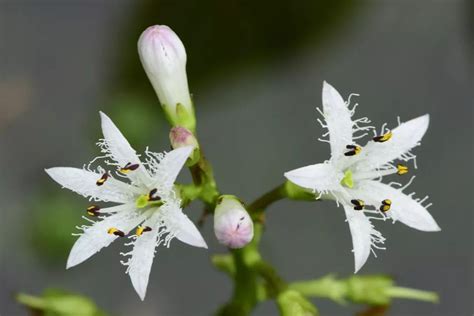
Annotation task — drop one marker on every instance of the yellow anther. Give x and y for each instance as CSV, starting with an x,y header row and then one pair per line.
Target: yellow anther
x,y
358,204
354,150
402,169
93,210
129,167
383,138
142,229
115,231
386,204
102,179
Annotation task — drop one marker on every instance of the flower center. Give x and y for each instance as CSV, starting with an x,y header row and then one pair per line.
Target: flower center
x,y
150,199
347,180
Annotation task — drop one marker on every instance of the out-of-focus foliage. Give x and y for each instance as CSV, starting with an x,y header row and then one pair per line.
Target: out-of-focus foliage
x,y
54,217
55,302
147,118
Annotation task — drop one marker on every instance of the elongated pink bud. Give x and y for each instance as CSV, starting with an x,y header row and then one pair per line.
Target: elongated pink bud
x,y
164,59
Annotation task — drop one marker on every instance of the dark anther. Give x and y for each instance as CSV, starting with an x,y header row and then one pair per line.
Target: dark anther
x,y
102,179
93,210
152,197
358,204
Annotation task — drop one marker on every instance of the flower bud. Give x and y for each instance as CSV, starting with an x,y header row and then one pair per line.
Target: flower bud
x,y
232,224
164,59
183,137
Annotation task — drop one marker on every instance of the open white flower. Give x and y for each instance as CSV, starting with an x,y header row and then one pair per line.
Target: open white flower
x,y
352,175
146,201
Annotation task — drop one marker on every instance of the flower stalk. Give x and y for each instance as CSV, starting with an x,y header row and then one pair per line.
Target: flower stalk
x,y
374,290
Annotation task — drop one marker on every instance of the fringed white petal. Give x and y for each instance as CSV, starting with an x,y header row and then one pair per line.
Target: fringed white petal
x,y
83,182
338,120
364,236
405,137
180,225
321,177
95,237
117,208
404,208
119,149
169,166
141,260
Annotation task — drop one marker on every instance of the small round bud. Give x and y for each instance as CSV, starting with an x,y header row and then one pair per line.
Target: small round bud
x,y
232,224
182,137
164,59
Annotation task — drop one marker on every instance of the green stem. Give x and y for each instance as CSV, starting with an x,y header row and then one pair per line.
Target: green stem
x,y
203,177
188,193
260,204
326,287
413,294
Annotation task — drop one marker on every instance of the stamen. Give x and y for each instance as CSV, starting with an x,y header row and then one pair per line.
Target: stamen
x,y
93,210
402,169
354,150
116,232
102,179
141,229
129,167
383,138
358,204
152,196
386,204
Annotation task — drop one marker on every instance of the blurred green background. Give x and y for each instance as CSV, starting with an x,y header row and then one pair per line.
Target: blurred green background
x,y
256,70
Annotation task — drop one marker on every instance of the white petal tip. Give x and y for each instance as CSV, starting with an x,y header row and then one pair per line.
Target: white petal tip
x,y
142,295
140,285
200,244
425,118
356,269
434,229
293,176
103,116
187,150
327,86
71,264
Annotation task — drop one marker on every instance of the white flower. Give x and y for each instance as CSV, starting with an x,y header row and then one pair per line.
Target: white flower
x,y
163,57
352,175
232,223
146,201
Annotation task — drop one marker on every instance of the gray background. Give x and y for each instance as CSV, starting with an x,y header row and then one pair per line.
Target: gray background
x,y
405,58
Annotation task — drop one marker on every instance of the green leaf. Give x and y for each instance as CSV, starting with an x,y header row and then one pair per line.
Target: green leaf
x,y
292,303
59,303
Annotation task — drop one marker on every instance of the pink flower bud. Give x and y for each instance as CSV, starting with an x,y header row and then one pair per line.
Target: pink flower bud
x,y
182,137
232,224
